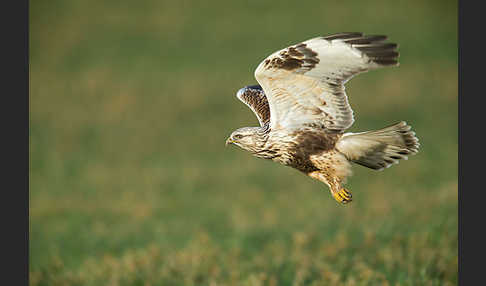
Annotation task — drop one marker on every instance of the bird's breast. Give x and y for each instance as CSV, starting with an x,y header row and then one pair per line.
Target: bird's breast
x,y
295,148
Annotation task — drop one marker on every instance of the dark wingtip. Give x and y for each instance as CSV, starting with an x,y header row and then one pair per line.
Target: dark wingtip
x,y
366,40
257,86
374,47
386,62
343,35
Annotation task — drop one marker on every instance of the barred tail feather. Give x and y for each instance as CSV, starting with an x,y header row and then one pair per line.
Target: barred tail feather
x,y
381,148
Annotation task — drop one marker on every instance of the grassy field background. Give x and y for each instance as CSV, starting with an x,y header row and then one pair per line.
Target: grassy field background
x,y
130,183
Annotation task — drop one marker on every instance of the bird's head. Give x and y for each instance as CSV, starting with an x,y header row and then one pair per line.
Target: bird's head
x,y
247,138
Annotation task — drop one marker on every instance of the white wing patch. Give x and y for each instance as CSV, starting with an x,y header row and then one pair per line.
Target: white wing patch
x,y
304,83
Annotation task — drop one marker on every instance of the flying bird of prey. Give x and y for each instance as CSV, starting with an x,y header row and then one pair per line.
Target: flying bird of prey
x,y
303,110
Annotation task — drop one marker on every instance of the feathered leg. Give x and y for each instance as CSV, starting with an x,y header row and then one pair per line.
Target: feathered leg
x,y
339,193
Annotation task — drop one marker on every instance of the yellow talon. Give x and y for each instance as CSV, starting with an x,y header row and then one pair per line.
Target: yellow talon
x,y
343,196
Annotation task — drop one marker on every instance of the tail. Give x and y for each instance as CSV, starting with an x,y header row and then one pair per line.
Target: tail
x,y
381,148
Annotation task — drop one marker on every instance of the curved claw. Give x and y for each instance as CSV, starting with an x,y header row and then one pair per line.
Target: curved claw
x,y
343,196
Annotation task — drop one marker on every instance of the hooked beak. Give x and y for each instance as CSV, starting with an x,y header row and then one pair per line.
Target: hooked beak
x,y
229,141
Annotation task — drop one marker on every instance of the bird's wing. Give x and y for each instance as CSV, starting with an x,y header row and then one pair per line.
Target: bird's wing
x,y
255,99
304,83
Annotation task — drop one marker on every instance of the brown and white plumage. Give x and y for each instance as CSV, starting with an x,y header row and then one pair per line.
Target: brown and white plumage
x,y
303,110
255,99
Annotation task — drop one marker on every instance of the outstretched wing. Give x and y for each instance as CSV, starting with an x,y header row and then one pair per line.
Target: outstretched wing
x,y
304,83
255,98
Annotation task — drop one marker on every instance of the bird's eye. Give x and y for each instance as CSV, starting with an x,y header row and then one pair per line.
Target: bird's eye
x,y
238,136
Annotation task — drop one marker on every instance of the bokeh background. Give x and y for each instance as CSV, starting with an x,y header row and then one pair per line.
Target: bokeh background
x,y
131,184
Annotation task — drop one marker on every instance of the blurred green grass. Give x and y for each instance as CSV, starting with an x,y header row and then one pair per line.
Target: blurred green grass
x,y
130,183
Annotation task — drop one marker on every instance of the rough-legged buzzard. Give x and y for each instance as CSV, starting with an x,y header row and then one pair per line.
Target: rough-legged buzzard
x,y
303,110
